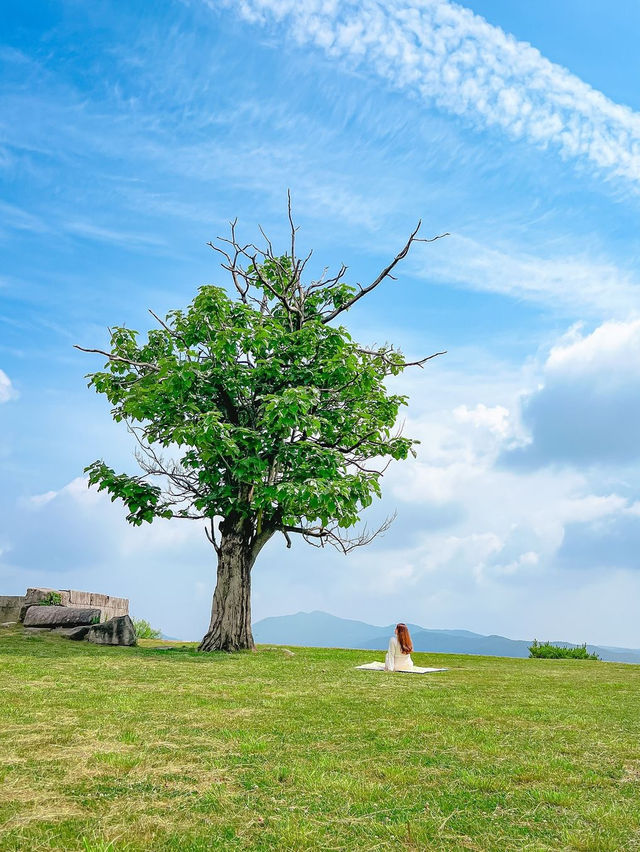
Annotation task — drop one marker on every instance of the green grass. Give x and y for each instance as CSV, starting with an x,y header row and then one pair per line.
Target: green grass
x,y
143,749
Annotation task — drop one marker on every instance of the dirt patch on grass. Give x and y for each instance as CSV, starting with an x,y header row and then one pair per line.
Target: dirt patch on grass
x,y
631,773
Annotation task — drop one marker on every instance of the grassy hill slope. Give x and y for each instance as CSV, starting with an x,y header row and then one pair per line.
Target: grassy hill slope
x,y
138,749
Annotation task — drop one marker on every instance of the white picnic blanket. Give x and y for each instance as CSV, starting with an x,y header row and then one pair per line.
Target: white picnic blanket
x,y
379,667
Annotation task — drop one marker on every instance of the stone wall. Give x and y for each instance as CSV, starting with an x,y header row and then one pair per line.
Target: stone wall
x,y
10,606
111,607
13,608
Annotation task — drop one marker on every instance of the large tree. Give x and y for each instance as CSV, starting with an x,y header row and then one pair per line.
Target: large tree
x,y
256,413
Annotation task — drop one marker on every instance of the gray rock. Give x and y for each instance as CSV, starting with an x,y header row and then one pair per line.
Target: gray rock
x,y
108,605
59,616
116,631
73,632
35,595
10,608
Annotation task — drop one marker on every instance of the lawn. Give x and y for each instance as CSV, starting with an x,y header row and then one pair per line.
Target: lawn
x,y
148,749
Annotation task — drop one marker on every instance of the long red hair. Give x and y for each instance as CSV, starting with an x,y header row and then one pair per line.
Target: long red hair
x,y
404,638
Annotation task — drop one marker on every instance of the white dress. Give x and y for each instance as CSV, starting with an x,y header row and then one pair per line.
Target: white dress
x,y
395,660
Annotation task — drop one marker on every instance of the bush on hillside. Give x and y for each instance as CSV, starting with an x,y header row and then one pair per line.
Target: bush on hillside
x,y
144,630
547,651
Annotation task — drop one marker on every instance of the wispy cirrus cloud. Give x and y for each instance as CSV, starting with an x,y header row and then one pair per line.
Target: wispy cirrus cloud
x,y
7,390
15,218
592,285
127,239
455,59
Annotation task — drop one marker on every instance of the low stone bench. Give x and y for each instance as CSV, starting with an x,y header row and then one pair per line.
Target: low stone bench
x,y
60,616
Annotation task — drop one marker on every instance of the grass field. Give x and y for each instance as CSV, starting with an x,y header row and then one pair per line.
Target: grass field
x,y
145,749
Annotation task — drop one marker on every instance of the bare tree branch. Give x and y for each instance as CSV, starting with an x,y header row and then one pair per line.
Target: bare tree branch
x,y
118,358
384,357
319,536
292,226
233,262
212,537
385,272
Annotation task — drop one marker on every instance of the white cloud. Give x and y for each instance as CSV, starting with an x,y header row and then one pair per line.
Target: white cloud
x,y
21,220
475,545
591,507
519,546
85,501
109,235
491,568
506,529
41,499
495,418
454,59
525,560
75,537
592,285
7,390
76,492
612,349
586,410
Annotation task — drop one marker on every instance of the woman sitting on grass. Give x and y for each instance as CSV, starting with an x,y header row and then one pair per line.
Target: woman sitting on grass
x,y
398,657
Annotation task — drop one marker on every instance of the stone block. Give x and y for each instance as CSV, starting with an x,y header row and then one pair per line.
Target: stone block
x,y
102,601
10,608
110,607
116,631
76,633
77,598
60,616
35,595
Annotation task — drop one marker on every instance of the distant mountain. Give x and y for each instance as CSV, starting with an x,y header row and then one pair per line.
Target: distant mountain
x,y
445,642
318,630
322,630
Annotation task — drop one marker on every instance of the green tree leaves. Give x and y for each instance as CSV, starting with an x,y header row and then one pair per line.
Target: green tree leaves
x,y
142,500
269,412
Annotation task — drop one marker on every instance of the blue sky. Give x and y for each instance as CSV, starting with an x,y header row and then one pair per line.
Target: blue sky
x,y
131,134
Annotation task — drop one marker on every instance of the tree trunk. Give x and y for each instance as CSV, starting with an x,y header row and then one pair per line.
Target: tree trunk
x,y
230,627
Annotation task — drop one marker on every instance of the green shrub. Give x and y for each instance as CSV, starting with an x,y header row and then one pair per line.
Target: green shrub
x,y
144,630
52,599
547,651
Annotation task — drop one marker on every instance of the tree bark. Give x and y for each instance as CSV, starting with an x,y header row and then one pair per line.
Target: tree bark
x,y
230,627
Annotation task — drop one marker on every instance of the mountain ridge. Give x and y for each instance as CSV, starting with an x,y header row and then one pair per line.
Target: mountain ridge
x,y
319,629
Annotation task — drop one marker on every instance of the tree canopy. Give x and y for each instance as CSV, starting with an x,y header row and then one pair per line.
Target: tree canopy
x,y
254,410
